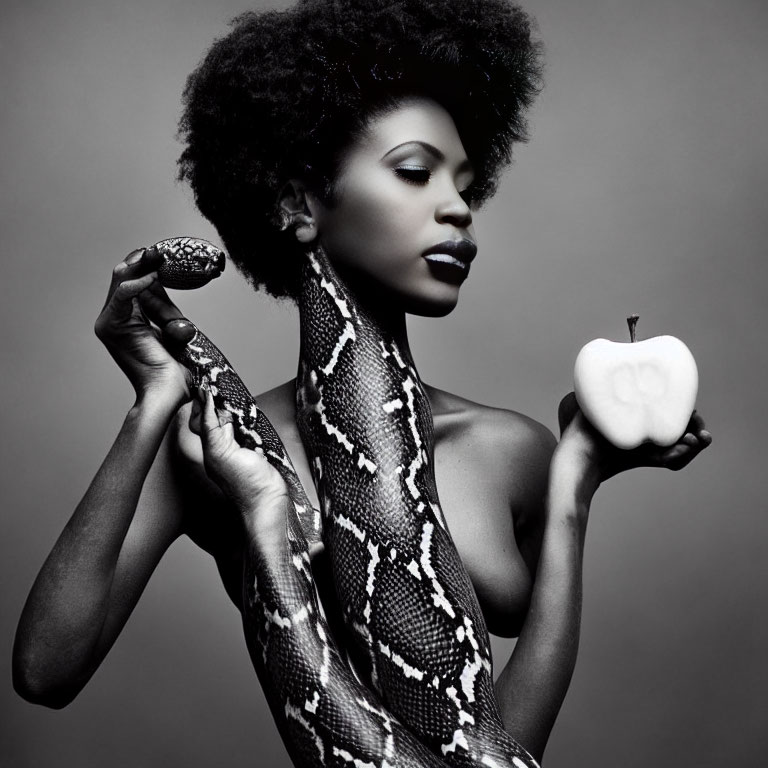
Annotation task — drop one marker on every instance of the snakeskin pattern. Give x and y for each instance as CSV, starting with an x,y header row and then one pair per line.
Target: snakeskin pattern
x,y
413,625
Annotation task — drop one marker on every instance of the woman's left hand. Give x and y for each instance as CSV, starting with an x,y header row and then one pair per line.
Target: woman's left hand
x,y
605,460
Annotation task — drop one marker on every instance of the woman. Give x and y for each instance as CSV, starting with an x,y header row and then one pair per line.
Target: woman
x,y
372,133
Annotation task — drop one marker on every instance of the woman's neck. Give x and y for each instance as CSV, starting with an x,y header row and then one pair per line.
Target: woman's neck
x,y
367,298
389,317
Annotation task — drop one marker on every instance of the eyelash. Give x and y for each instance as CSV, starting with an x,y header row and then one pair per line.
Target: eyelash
x,y
419,174
414,174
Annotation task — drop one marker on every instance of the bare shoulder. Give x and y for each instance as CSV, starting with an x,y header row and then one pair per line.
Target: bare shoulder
x,y
492,468
512,450
490,429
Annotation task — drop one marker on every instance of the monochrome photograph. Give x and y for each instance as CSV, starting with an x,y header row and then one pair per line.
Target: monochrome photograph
x,y
384,384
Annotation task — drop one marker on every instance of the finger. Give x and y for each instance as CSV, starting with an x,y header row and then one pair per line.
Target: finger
x,y
122,271
225,422
178,333
158,306
699,428
225,418
136,264
696,423
696,442
152,258
678,456
213,446
120,304
212,417
689,439
209,420
567,410
195,413
218,433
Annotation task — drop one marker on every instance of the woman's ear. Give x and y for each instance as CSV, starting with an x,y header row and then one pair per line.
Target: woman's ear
x,y
298,210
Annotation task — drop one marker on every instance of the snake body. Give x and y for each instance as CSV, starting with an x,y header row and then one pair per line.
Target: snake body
x,y
413,626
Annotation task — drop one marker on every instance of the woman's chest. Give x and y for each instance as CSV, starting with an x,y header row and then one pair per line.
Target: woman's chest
x,y
476,508
475,504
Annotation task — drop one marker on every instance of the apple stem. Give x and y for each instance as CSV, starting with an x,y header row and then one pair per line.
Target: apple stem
x,y
632,323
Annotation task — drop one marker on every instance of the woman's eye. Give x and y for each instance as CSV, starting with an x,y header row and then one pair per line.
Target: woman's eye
x,y
414,174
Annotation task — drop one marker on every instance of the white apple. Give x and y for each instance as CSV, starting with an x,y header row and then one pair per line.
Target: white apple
x,y
640,392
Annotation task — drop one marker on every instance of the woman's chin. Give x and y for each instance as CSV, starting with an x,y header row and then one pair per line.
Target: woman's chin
x,y
433,306
427,298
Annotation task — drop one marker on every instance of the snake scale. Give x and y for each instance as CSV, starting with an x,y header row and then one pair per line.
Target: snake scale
x,y
413,629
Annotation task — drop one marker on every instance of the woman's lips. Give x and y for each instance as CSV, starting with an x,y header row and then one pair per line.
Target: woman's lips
x,y
458,253
451,257
446,258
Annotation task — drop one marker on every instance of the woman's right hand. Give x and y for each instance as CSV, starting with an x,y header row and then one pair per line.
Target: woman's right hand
x,y
135,302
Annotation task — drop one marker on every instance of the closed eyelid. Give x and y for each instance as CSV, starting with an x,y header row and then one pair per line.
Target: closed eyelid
x,y
413,174
416,162
413,160
413,166
434,155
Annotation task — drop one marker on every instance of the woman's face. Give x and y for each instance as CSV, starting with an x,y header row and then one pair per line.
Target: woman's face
x,y
399,229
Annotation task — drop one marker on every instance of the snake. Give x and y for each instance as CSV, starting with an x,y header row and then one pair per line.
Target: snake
x,y
410,682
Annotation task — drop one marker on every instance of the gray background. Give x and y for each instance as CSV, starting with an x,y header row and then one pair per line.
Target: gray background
x,y
643,190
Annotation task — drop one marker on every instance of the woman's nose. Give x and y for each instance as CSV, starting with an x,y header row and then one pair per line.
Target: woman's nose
x,y
454,210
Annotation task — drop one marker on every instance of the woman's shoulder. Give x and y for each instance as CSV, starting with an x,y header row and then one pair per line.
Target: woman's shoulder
x,y
509,450
501,458
489,429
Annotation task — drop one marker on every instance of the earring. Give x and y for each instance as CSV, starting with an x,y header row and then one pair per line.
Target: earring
x,y
305,228
281,219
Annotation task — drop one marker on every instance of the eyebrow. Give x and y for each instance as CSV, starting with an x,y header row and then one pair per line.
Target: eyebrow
x,y
432,150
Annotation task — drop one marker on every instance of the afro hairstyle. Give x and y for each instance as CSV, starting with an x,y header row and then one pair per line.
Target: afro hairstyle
x,y
285,92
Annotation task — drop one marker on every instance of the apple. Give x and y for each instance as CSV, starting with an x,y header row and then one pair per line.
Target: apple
x,y
637,392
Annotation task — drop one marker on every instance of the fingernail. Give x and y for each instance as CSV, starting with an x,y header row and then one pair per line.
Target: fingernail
x,y
152,255
179,331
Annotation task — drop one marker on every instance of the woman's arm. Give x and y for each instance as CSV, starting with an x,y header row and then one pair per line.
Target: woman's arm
x,y
97,569
95,572
533,684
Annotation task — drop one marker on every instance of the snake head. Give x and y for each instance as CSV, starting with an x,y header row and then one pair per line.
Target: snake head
x,y
188,262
